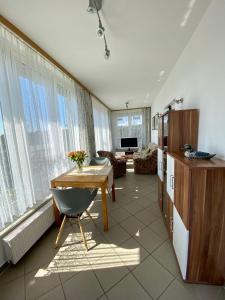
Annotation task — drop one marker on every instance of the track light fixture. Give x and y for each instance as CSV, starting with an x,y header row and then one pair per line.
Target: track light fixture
x,y
94,7
100,30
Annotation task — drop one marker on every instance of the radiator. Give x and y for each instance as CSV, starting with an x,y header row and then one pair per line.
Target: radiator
x,y
23,237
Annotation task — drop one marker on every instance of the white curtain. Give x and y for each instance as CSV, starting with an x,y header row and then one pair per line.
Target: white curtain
x,y
86,122
102,126
134,123
39,125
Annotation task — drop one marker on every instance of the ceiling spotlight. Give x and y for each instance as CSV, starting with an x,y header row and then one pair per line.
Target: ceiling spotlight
x,y
107,53
100,30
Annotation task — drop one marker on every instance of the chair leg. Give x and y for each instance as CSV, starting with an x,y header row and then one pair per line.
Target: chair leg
x,y
82,232
60,231
89,215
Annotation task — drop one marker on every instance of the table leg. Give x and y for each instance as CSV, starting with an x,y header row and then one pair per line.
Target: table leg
x,y
58,220
104,209
113,192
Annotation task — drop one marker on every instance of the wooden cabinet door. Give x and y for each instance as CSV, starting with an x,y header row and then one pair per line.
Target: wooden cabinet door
x,y
170,176
160,132
182,186
160,164
180,242
169,216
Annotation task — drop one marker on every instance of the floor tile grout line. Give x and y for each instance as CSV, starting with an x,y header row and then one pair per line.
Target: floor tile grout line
x,y
143,286
166,289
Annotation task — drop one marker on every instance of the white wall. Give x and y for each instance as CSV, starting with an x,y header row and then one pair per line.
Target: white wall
x,y
199,78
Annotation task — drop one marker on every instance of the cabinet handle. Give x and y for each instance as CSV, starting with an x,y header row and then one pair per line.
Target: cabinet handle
x,y
173,182
171,224
171,185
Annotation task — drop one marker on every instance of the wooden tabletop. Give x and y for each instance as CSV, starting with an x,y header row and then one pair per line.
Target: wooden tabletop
x,y
89,176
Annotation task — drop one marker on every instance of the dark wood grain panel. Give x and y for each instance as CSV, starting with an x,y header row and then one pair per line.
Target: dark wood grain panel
x,y
206,262
182,191
198,163
160,132
183,129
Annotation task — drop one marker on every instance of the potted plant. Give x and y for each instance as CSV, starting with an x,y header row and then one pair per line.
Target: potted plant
x,y
78,157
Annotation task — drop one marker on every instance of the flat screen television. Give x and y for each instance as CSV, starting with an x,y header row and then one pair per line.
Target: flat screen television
x,y
129,142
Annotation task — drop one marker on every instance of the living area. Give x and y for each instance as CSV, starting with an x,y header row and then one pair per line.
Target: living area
x,y
112,154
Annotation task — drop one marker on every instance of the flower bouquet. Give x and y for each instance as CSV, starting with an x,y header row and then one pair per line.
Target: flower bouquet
x,y
78,157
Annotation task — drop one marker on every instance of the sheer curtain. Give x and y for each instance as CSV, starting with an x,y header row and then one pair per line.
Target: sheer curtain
x,y
102,126
86,122
131,123
39,124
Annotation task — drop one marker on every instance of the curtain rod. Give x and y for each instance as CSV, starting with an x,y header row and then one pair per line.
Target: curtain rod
x,y
47,56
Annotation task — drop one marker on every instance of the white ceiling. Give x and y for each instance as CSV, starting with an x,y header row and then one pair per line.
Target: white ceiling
x,y
145,37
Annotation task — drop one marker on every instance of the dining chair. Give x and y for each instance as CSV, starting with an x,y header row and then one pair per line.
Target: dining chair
x,y
72,202
99,161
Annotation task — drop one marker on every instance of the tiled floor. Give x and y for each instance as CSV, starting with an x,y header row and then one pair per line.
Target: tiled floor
x,y
134,260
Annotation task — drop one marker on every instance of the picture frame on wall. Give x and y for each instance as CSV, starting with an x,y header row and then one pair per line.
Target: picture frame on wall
x,y
155,122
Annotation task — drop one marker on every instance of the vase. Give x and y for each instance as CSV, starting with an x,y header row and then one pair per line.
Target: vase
x,y
79,167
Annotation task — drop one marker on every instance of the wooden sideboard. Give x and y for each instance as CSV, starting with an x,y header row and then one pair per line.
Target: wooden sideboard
x,y
196,217
191,196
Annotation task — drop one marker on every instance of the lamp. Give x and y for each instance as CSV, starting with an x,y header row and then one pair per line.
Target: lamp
x,y
100,30
94,7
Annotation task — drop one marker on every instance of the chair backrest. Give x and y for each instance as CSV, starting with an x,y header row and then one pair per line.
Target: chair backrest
x,y
72,201
107,154
99,161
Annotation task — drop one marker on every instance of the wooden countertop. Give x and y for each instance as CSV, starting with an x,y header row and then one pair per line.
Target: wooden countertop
x,y
198,163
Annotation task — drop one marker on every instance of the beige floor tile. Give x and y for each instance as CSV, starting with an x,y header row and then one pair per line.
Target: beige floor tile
x,y
134,207
55,294
39,282
109,276
153,277
159,227
13,290
154,208
185,291
131,253
12,272
128,288
132,225
119,214
84,286
146,217
148,239
116,235
38,255
165,256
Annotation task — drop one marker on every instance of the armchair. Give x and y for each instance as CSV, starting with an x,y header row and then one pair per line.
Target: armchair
x,y
118,164
146,164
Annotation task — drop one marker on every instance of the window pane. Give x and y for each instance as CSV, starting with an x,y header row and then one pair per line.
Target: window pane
x,y
122,121
136,120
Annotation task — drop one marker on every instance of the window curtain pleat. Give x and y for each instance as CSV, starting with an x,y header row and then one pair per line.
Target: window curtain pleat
x,y
39,125
102,126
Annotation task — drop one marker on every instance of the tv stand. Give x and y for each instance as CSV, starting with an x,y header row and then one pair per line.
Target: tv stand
x,y
128,152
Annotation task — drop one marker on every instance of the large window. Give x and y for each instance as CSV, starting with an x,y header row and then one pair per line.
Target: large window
x,y
39,125
122,121
131,124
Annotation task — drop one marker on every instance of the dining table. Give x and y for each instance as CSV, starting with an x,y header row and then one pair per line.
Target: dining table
x,y
92,177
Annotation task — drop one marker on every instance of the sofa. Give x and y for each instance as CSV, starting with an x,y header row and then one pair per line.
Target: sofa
x,y
145,161
118,164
